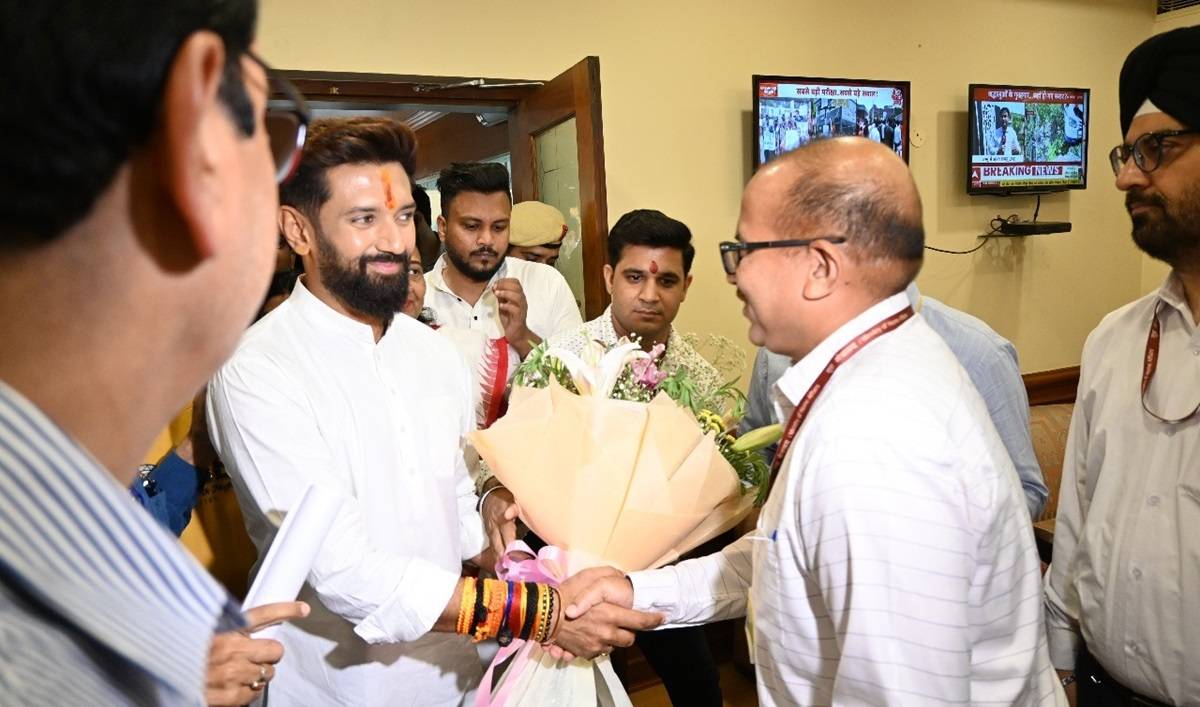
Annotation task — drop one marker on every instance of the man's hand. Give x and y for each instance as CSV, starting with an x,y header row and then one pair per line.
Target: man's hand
x,y
240,666
596,616
514,309
595,586
500,511
1072,695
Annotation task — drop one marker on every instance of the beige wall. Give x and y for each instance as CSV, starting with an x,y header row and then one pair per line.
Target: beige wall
x,y
1153,271
676,93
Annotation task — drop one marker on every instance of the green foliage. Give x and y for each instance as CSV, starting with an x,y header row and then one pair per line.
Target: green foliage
x,y
750,466
537,369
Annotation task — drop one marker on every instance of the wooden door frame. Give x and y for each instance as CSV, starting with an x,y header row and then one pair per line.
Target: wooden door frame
x,y
349,87
560,100
536,104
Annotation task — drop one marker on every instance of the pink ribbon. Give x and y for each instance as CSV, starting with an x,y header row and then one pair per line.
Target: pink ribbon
x,y
548,566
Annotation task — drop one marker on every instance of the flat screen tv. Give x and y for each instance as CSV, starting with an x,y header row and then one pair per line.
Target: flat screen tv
x,y
1026,139
790,111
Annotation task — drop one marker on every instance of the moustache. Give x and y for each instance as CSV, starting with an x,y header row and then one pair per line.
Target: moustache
x,y
1137,198
400,259
485,251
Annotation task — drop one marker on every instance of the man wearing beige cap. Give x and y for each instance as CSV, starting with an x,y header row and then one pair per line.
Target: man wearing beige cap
x,y
536,232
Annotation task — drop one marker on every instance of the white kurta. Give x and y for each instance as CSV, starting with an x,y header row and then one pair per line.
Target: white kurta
x,y
551,309
894,562
309,397
1126,572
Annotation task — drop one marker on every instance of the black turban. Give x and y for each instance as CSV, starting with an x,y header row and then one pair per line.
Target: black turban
x,y
1166,70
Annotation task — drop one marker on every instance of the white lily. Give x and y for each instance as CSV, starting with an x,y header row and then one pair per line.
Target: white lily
x,y
597,371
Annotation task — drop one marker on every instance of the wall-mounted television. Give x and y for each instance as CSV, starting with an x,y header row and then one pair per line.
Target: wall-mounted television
x,y
790,111
1026,139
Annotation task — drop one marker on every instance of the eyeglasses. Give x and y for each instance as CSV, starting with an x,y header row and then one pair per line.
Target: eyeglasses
x,y
287,126
732,252
1146,150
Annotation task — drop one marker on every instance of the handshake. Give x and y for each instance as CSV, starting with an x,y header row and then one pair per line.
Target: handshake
x,y
597,603
598,615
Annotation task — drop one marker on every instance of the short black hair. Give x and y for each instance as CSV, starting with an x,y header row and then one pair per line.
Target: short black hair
x,y
82,86
479,177
424,205
648,227
337,141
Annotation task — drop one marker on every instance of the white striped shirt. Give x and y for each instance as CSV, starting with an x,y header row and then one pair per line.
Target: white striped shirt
x,y
1126,571
99,605
894,562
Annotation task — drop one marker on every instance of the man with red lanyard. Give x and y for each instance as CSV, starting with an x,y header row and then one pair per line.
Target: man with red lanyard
x,y
893,562
1123,599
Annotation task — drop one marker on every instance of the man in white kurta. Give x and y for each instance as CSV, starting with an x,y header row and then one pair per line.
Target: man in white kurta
x,y
310,397
551,306
333,389
893,562
473,285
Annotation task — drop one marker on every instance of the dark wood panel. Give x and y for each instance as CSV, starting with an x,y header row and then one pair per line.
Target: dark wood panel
x,y
593,189
457,137
1051,387
394,88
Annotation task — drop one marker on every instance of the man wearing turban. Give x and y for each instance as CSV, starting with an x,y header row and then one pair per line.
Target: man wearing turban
x,y
1122,602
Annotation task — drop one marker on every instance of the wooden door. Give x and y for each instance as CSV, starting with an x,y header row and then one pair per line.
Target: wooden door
x,y
546,166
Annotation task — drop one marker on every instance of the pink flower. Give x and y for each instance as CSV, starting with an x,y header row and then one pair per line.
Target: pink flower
x,y
645,372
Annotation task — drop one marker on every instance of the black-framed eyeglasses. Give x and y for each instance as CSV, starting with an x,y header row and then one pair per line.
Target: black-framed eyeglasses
x,y
1146,150
287,125
732,252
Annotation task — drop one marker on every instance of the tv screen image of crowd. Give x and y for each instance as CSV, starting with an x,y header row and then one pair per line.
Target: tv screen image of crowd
x,y
792,112
1026,139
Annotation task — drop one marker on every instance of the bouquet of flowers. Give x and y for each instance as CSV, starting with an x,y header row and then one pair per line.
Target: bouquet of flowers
x,y
612,462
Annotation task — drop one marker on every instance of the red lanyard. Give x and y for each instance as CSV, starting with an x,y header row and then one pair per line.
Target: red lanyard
x,y
1150,365
802,408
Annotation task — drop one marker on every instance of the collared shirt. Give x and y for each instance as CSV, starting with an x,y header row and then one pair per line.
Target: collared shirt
x,y
310,397
98,604
678,354
989,359
894,559
551,306
1126,571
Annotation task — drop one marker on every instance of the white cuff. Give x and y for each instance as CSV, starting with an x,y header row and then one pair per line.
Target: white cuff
x,y
407,615
657,591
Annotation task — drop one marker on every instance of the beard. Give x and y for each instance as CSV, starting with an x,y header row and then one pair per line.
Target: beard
x,y
463,263
1170,232
377,297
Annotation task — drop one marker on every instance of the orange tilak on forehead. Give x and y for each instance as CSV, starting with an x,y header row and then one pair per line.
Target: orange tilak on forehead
x,y
389,199
653,267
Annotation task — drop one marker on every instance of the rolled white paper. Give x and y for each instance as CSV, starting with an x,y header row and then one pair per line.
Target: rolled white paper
x,y
293,550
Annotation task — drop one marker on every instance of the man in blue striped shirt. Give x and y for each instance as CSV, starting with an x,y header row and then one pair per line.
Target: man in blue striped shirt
x,y
137,208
